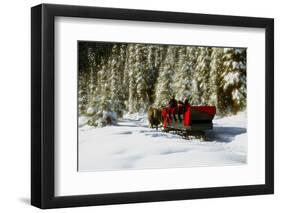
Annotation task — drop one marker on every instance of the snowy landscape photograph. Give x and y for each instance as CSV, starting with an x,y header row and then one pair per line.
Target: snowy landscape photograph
x,y
160,106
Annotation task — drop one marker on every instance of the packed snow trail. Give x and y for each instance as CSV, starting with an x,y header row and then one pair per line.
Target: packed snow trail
x,y
132,145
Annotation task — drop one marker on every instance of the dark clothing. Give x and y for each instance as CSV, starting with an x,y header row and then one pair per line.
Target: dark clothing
x,y
186,102
172,111
180,110
172,103
180,102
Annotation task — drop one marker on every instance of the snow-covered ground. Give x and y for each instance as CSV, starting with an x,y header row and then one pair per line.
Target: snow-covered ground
x,y
132,145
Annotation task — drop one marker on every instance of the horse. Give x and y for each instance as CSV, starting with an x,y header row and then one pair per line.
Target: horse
x,y
154,117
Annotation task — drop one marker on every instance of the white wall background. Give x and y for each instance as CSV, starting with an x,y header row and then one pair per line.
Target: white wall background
x,y
15,105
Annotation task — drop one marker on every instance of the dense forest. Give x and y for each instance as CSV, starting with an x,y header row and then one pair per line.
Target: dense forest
x,y
120,78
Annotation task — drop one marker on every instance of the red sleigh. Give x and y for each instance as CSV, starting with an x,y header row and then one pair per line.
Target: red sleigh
x,y
193,118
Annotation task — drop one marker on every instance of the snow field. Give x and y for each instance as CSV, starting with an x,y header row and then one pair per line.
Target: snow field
x,y
132,145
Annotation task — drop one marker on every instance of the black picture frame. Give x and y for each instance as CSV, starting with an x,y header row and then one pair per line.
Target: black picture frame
x,y
43,102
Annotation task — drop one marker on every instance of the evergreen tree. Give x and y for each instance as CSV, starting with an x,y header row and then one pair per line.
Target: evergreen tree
x,y
104,89
126,76
141,71
116,93
123,76
132,100
82,92
202,74
192,54
93,73
234,79
152,73
164,86
183,75
216,79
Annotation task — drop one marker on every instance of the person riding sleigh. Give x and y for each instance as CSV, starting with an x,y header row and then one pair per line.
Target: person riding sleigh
x,y
177,108
172,105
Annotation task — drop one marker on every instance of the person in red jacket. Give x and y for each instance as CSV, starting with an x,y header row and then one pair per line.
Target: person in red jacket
x,y
187,120
186,103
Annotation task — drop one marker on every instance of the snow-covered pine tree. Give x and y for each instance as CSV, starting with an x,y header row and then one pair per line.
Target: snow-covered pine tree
x,y
83,84
141,72
215,80
234,79
164,87
104,91
132,99
202,74
100,95
82,92
192,54
126,77
152,73
92,80
160,55
116,74
183,74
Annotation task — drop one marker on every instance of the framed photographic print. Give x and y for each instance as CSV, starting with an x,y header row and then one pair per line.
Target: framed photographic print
x,y
139,106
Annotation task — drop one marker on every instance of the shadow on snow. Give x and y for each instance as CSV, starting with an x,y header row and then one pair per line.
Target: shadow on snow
x,y
218,133
224,134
